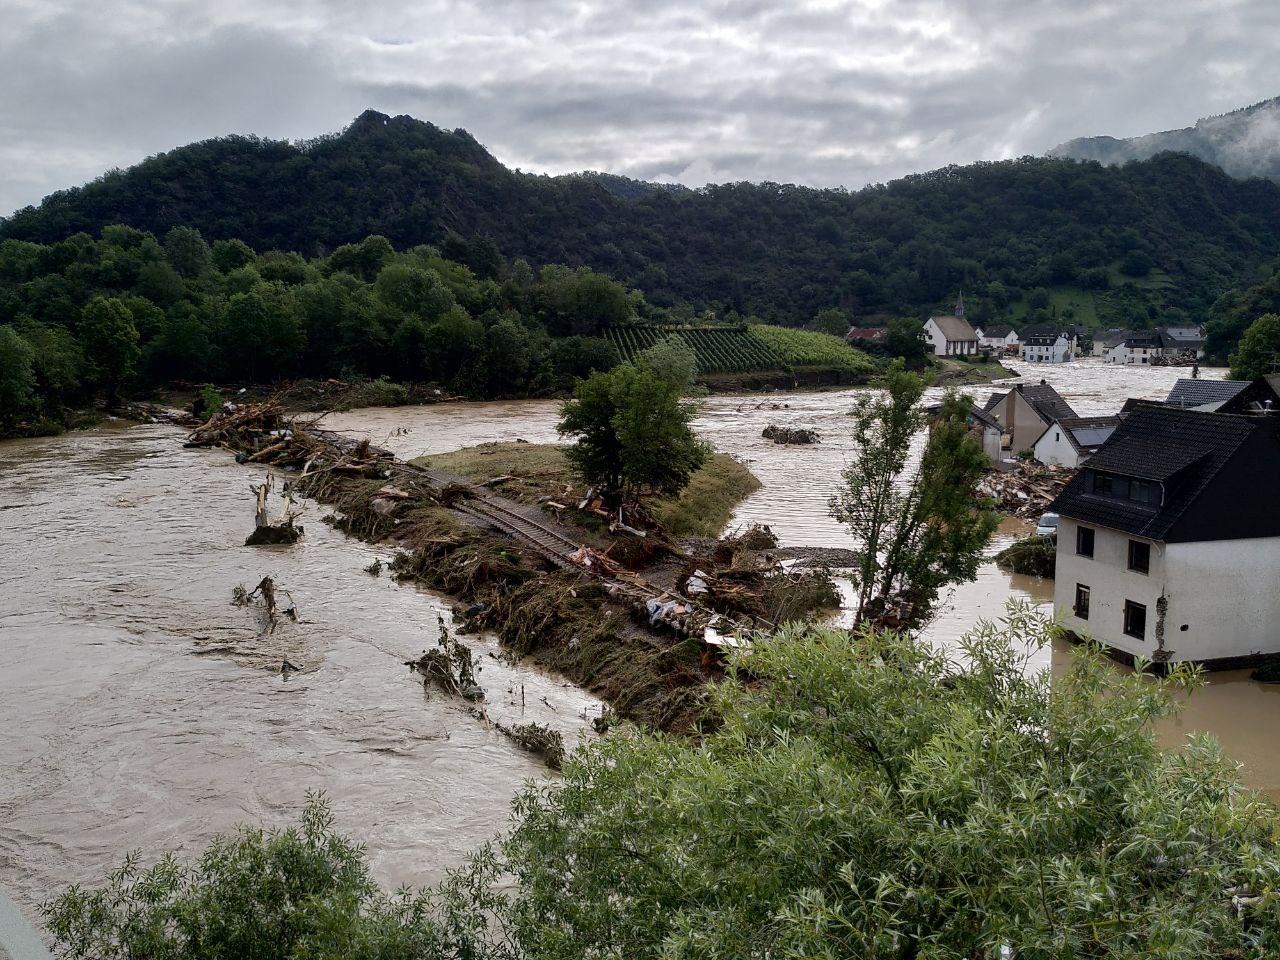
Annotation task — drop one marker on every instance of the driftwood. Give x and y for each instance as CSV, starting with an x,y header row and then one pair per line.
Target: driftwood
x,y
790,435
451,666
264,531
266,590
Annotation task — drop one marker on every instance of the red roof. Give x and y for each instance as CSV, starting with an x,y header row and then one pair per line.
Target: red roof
x,y
866,333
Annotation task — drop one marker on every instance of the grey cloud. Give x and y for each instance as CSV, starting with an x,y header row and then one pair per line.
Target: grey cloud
x,y
824,92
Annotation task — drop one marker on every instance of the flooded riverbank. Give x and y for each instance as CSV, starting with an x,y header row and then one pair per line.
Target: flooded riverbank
x,y
142,709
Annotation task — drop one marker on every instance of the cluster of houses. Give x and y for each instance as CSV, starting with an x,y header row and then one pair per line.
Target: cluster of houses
x,y
953,336
1168,542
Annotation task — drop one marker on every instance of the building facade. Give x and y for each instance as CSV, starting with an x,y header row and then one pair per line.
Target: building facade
x,y
1048,348
1070,442
1168,546
1025,412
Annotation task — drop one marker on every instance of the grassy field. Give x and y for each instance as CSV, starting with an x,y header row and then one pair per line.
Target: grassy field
x,y
541,470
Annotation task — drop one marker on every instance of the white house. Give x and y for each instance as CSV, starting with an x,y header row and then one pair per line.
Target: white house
x,y
950,336
1104,340
1047,348
1070,442
1025,413
1136,349
1168,544
998,337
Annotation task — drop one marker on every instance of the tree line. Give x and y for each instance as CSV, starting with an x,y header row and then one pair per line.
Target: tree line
x,y
85,317
1157,241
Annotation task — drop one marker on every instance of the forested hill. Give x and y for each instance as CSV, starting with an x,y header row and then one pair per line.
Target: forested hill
x,y
1157,240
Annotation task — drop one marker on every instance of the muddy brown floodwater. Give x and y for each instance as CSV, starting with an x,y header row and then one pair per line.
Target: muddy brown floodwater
x,y
140,708
797,481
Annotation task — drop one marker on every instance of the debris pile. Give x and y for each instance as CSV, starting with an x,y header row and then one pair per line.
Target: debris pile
x,y
1033,557
790,435
1025,491
450,666
539,739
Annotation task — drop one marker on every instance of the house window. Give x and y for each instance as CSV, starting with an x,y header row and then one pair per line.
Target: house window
x,y
1139,556
1135,620
1082,601
1084,541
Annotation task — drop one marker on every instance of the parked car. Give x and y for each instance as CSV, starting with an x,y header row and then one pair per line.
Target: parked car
x,y
1047,525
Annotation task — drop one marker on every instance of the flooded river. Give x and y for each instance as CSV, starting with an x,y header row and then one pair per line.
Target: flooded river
x,y
140,708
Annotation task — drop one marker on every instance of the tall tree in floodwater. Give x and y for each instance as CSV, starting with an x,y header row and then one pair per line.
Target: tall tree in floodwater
x,y
918,529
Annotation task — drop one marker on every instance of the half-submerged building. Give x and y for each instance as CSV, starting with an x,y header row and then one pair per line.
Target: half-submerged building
x,y
1169,538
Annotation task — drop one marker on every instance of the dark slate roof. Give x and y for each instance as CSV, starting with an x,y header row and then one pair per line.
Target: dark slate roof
x,y
1046,401
1149,340
1087,434
1196,393
1109,338
998,330
1041,340
985,418
1208,465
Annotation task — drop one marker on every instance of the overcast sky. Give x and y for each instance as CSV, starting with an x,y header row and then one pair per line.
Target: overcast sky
x,y
822,92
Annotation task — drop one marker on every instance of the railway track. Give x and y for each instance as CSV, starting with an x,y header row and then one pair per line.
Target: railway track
x,y
542,539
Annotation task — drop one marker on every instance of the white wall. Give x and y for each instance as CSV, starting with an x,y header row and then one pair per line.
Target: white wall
x,y
1055,450
1227,593
1224,591
935,338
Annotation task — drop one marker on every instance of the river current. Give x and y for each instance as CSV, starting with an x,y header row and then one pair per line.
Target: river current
x,y
141,708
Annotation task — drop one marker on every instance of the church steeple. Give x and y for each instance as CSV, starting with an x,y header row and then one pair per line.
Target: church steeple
x,y
960,306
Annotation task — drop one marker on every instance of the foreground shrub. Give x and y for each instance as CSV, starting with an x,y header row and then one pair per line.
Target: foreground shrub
x,y
860,796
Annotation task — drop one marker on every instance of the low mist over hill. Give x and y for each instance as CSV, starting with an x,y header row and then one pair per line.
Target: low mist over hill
x,y
1244,143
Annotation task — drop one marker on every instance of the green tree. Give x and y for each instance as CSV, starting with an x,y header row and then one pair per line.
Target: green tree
x,y
672,359
17,376
632,433
231,255
917,529
110,342
261,338
573,358
873,796
904,338
832,320
186,251
1259,353
254,895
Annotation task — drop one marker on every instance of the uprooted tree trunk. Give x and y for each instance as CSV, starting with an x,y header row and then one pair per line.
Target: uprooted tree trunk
x,y
264,531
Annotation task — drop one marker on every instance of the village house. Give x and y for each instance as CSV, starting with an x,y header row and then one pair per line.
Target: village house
x,y
1168,545
865,336
951,336
1046,348
1210,395
998,337
1104,340
1026,412
1136,349
1070,442
1183,341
